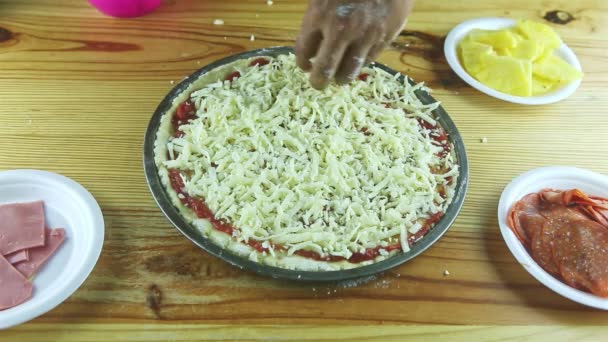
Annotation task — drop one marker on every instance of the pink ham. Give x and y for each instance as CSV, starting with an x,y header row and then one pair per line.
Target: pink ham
x,y
17,257
21,226
14,287
38,256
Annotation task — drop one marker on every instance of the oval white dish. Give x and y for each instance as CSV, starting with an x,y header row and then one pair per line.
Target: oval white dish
x,y
67,205
556,177
451,54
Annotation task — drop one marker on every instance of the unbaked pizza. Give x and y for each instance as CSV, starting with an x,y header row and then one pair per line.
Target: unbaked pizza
x,y
273,170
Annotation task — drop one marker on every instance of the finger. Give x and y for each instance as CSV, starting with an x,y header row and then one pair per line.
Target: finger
x,y
307,46
352,62
327,61
391,35
374,52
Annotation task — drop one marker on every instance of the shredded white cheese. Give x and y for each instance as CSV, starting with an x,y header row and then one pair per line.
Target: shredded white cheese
x,y
334,171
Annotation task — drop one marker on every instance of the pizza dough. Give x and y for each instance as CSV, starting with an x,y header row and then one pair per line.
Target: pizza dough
x,y
276,171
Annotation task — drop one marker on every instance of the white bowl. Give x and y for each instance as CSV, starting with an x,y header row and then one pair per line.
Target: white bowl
x,y
67,205
451,54
556,177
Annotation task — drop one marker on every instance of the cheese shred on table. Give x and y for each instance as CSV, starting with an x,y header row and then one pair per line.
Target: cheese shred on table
x,y
334,172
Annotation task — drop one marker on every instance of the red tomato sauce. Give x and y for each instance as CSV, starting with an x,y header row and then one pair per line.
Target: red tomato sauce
x,y
233,76
363,77
259,62
185,111
202,210
439,136
425,228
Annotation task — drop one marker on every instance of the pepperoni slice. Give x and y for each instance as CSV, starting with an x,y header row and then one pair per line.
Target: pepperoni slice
x,y
580,249
599,215
524,217
552,196
541,248
530,223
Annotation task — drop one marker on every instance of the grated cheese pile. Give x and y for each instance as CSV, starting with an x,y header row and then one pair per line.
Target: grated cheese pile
x,y
333,171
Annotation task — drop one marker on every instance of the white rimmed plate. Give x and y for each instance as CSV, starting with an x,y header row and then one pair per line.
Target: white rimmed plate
x,y
556,177
450,49
67,205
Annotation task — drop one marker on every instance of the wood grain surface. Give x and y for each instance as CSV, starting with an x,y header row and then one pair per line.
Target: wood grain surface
x,y
77,90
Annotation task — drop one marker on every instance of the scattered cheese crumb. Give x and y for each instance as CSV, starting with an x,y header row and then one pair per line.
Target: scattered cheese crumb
x,y
269,2
484,140
446,273
172,81
257,15
252,38
225,38
218,22
198,62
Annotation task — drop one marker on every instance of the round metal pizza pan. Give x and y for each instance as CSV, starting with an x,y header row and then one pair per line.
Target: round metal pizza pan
x,y
173,214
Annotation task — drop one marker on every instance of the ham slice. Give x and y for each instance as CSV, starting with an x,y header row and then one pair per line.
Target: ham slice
x,y
38,256
21,226
17,257
14,287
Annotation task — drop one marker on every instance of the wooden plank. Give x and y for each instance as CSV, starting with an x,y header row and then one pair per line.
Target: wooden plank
x,y
190,332
77,90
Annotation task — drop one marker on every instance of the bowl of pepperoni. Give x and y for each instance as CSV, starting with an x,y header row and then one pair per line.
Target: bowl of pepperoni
x,y
555,222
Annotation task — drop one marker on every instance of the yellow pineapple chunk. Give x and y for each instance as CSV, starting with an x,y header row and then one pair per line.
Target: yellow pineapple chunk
x,y
504,52
507,74
471,54
504,39
516,34
527,49
542,34
541,86
519,60
555,69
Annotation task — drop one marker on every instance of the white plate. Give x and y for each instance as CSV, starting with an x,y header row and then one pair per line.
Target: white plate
x,y
556,177
450,49
67,205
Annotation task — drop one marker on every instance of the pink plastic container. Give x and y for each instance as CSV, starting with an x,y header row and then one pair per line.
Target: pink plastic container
x,y
125,8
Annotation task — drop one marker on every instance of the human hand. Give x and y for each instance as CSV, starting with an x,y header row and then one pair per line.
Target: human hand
x,y
344,35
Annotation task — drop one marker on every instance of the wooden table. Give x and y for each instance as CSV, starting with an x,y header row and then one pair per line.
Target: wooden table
x,y
77,90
